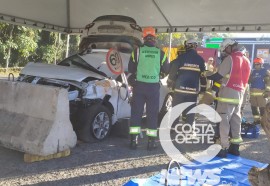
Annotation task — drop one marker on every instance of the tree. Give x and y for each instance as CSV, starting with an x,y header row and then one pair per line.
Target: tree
x,y
17,44
54,49
74,44
53,46
26,39
7,42
163,39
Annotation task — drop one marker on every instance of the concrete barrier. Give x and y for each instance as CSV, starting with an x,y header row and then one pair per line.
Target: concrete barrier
x,y
35,119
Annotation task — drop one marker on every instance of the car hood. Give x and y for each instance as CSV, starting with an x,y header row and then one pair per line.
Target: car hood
x,y
58,72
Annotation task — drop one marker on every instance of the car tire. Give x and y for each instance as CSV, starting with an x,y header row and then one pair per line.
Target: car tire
x,y
95,122
167,105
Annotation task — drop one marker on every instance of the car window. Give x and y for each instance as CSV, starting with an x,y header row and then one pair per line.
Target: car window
x,y
124,44
73,61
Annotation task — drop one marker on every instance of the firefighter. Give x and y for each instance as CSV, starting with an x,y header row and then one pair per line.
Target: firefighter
x,y
186,76
146,63
181,49
258,86
233,72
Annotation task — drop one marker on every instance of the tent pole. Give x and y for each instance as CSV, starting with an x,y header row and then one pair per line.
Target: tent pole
x,y
68,26
163,15
170,29
68,14
67,49
170,47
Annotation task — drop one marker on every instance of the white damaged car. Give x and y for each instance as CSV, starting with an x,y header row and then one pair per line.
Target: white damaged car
x,y
98,98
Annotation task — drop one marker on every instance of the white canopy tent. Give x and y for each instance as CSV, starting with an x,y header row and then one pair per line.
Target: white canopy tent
x,y
71,16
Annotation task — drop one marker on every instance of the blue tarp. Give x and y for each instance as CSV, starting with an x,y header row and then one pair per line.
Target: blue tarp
x,y
232,170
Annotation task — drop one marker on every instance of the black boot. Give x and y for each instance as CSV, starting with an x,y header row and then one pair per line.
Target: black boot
x,y
133,141
223,153
234,149
151,143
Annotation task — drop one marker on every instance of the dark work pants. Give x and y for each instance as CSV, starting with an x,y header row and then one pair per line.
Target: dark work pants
x,y
182,98
145,93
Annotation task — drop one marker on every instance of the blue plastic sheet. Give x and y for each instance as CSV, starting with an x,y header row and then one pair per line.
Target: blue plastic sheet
x,y
228,171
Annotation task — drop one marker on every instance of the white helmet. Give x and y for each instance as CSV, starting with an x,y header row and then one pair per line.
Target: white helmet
x,y
191,44
226,43
191,41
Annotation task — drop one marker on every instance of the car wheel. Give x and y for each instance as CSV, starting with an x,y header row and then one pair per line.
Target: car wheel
x,y
96,122
167,105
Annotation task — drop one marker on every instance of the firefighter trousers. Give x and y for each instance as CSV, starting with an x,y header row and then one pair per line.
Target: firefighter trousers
x,y
258,103
230,123
182,98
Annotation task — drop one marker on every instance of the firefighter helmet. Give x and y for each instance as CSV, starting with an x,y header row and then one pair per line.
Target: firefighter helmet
x,y
191,43
226,43
258,60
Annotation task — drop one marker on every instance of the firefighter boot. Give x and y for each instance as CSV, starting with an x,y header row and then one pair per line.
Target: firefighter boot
x,y
234,149
223,153
133,141
151,143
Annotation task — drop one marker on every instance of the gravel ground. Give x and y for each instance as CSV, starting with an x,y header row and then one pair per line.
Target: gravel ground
x,y
109,162
104,163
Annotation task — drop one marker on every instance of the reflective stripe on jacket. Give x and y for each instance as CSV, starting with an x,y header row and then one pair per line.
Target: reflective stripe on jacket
x,y
228,100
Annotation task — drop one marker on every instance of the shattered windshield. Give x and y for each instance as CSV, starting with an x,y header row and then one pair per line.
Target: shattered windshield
x,y
77,61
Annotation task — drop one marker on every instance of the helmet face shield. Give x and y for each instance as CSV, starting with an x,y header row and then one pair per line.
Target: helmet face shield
x,y
191,41
191,44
